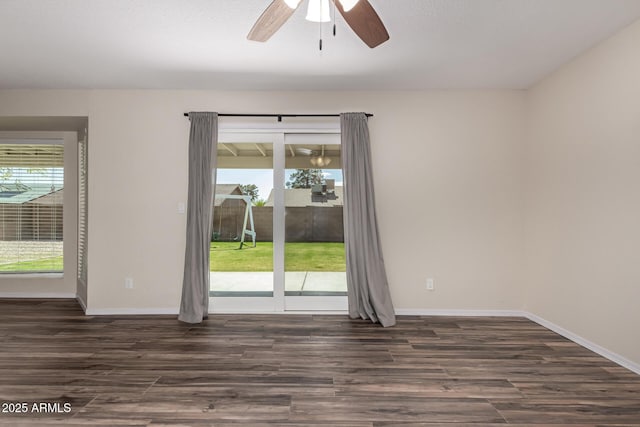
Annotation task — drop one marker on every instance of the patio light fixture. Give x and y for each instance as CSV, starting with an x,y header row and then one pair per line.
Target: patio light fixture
x,y
321,160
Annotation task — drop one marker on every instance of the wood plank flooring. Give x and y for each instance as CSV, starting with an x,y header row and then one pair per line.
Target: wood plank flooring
x,y
302,370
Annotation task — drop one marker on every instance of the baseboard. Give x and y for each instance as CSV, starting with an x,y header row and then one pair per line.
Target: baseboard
x,y
82,303
37,295
284,313
130,311
614,357
462,313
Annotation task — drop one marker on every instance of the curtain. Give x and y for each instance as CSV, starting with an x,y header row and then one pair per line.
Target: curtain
x,y
203,138
367,286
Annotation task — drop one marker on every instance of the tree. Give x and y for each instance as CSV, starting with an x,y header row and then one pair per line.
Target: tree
x,y
5,173
250,190
305,178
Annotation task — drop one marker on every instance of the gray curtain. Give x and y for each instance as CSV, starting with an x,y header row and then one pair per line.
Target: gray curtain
x,y
367,286
203,139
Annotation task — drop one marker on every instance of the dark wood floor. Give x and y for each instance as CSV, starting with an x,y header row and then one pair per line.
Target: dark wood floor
x,y
287,370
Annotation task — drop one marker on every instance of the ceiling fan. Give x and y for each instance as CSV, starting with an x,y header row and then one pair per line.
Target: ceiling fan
x,y
317,159
359,15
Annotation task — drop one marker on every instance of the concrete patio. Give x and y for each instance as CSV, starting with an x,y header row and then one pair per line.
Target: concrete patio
x,y
297,283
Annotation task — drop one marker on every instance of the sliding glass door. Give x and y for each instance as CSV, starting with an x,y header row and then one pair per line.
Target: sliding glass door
x,y
278,242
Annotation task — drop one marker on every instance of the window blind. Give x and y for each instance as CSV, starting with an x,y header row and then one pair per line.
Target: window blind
x,y
82,210
31,206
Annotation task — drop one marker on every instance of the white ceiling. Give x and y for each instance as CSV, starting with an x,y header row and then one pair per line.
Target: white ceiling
x,y
201,44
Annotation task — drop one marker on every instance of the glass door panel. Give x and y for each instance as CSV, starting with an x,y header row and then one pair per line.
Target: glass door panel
x,y
314,257
242,228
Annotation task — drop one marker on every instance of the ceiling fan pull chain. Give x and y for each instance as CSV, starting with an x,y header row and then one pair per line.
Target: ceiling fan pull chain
x,y
320,26
334,18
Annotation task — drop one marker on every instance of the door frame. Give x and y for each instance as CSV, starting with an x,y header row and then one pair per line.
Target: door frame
x,y
279,303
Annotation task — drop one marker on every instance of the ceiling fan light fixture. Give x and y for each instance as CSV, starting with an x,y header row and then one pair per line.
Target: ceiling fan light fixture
x,y
320,161
358,14
347,5
318,11
293,4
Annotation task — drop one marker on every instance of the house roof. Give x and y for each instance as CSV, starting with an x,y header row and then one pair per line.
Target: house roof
x,y
32,193
226,189
55,198
301,197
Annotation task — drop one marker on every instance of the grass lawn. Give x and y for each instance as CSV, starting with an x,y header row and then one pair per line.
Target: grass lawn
x,y
43,264
225,256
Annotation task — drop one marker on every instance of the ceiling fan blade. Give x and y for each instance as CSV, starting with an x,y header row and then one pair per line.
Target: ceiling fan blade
x,y
276,14
365,22
304,151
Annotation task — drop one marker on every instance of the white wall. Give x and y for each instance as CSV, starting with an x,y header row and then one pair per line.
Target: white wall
x,y
583,196
452,157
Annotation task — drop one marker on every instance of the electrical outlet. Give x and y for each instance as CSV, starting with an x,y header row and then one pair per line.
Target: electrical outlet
x,y
430,286
128,283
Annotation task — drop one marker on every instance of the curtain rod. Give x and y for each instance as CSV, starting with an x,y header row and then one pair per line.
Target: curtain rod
x,y
279,116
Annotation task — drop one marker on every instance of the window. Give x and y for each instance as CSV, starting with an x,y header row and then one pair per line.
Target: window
x,y
31,204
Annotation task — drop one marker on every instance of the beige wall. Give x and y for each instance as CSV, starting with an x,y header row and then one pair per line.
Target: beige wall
x,y
583,196
454,155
